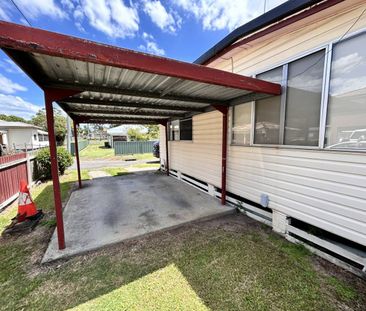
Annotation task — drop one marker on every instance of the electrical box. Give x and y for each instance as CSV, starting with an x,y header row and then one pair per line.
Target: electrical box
x,y
264,200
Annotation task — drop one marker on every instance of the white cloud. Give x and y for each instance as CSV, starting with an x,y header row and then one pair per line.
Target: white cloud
x,y
9,87
111,17
150,45
224,14
33,10
68,4
159,15
347,63
5,8
17,106
9,66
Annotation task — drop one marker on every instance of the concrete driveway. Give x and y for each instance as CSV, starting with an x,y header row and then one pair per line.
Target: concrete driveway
x,y
112,209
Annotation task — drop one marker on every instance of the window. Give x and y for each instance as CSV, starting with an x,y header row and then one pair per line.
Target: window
x,y
34,136
241,124
45,138
180,129
186,129
174,130
40,137
268,112
346,119
303,100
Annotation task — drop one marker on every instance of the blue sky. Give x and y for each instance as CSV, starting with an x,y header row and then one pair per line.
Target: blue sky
x,y
180,29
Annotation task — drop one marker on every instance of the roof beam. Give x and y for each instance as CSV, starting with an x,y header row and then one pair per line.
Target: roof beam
x,y
116,115
134,93
83,119
127,111
34,40
134,104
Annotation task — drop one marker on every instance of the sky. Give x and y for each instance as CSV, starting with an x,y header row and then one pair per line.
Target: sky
x,y
179,29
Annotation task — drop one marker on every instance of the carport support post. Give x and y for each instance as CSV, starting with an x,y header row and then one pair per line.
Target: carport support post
x,y
76,149
54,171
224,110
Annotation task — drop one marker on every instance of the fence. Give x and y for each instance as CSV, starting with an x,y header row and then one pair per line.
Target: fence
x,y
82,145
133,147
13,168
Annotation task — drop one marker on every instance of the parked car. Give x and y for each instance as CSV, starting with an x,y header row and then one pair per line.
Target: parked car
x,y
156,150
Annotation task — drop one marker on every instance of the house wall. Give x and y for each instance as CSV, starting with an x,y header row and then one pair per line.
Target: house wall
x,y
322,188
19,137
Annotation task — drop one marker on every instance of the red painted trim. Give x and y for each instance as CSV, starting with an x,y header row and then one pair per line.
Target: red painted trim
x,y
271,29
77,152
33,40
54,171
60,94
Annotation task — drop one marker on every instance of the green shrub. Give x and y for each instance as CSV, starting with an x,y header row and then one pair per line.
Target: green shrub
x,y
43,159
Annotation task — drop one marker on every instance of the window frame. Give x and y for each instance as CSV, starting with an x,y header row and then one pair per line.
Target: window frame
x,y
170,131
328,53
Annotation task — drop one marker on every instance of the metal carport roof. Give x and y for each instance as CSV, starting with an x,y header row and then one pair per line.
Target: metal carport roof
x,y
97,83
115,85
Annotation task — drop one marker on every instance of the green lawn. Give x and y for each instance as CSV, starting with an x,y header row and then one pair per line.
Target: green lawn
x,y
115,171
230,263
146,165
97,151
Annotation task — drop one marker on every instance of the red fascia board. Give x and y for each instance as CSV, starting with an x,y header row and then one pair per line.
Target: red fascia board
x,y
281,24
33,40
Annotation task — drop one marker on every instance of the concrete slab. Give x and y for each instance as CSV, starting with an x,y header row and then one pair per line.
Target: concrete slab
x,y
112,209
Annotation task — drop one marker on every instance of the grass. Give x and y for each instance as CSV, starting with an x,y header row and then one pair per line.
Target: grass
x,y
146,165
97,151
225,264
116,171
343,290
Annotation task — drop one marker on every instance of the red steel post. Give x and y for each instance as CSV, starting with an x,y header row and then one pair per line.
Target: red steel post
x,y
76,126
166,148
54,171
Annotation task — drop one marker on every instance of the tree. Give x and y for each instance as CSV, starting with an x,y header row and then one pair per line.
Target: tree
x,y
60,124
12,118
152,132
135,134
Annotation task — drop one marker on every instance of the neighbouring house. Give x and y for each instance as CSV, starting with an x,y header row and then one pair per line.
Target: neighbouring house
x,y
21,136
118,133
297,161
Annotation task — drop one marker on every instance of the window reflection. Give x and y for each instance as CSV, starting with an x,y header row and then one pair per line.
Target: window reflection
x,y
346,120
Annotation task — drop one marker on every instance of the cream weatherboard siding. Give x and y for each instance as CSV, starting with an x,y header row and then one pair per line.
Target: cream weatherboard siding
x,y
324,188
200,158
305,35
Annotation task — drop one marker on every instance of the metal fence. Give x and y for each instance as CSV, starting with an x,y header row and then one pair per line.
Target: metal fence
x,y
13,168
82,145
133,147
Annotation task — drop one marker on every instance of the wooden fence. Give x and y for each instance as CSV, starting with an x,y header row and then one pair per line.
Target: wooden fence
x,y
133,147
13,168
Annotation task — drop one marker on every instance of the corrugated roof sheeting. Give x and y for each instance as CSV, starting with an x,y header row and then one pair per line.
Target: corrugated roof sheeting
x,y
115,84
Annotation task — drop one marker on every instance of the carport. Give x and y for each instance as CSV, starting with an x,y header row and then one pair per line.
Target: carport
x,y
97,83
